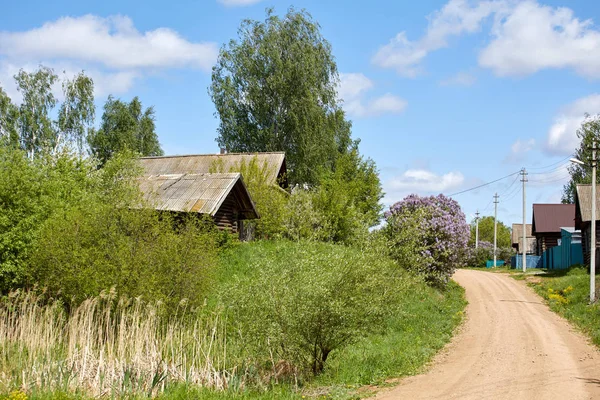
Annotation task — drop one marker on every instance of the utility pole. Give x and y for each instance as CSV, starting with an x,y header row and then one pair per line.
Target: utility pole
x,y
477,229
495,224
593,244
524,251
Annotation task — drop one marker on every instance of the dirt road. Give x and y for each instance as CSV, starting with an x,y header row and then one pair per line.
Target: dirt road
x,y
510,347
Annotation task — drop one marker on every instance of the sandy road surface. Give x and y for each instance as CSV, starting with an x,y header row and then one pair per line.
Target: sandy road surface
x,y
510,347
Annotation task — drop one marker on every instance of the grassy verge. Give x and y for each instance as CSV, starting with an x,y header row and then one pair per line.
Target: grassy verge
x,y
567,293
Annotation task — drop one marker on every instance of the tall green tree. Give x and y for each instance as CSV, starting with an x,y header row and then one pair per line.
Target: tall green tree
x,y
581,174
486,232
125,126
77,111
9,119
36,130
275,89
32,126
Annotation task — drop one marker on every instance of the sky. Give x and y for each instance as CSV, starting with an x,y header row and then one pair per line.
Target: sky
x,y
444,95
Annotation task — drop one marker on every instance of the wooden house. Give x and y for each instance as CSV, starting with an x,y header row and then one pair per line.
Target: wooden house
x,y
517,238
209,184
548,219
583,220
222,196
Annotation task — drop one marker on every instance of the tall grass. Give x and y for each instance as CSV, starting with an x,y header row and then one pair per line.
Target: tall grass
x,y
109,346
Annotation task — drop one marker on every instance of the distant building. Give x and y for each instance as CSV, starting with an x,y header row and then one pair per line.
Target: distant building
x,y
517,238
548,219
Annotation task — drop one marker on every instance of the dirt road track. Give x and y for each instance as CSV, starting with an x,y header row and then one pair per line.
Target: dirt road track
x,y
510,347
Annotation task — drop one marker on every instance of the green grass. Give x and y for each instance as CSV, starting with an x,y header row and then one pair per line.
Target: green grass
x,y
413,337
567,293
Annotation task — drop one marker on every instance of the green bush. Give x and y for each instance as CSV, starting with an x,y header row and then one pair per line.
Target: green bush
x,y
300,301
85,250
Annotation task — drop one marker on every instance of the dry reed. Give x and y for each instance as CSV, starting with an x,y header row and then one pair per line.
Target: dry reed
x,y
109,346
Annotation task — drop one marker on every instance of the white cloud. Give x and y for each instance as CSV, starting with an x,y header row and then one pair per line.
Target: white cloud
x,y
460,79
526,37
421,181
562,135
533,37
112,42
352,89
237,3
519,149
455,18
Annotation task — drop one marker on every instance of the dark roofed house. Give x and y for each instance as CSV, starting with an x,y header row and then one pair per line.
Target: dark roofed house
x,y
583,219
548,219
517,238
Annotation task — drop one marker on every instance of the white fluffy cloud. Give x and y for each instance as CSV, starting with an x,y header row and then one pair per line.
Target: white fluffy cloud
x,y
110,50
534,37
352,89
455,18
237,3
112,42
526,37
423,182
562,135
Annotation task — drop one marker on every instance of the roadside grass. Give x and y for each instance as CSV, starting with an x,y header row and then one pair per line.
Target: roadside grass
x,y
567,293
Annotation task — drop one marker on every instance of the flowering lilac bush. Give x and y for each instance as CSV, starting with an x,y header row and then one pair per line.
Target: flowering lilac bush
x,y
428,235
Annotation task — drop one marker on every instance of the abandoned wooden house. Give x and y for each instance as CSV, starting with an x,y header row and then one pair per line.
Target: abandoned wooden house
x,y
548,219
222,196
583,220
208,184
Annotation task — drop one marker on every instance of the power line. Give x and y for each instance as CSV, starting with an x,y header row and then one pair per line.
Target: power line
x,y
553,164
485,184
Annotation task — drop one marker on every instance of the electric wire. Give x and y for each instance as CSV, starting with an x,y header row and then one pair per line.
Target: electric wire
x,y
483,185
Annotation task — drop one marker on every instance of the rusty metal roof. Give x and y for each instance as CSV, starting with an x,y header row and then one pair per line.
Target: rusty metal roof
x,y
549,218
583,201
213,163
201,193
517,233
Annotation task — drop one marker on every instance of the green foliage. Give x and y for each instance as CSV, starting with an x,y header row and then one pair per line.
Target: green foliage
x,y
413,336
30,192
36,130
486,232
77,111
582,174
9,117
125,126
275,89
94,246
304,300
353,187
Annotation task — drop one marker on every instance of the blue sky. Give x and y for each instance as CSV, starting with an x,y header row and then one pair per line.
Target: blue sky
x,y
444,95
